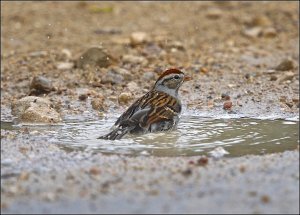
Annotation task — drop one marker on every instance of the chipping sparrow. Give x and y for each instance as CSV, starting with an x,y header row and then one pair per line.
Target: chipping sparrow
x,y
157,110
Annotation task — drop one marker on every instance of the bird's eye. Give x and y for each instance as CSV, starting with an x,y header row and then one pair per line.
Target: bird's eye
x,y
176,76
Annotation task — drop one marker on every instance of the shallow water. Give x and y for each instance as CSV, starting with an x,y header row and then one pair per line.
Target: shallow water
x,y
194,136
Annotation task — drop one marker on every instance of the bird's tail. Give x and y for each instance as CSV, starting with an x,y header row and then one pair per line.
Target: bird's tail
x,y
115,134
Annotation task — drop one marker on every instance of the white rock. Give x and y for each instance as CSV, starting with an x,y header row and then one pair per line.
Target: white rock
x,y
218,152
137,38
64,65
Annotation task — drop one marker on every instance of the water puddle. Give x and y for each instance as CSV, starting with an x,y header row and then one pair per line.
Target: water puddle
x,y
195,136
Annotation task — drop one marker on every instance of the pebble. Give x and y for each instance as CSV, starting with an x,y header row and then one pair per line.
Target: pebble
x,y
287,76
64,65
94,57
187,172
252,32
269,32
40,114
35,110
175,45
148,76
18,107
133,86
94,171
261,21
214,13
227,105
40,85
285,65
24,176
273,78
49,197
137,38
203,161
124,98
112,77
6,162
218,152
82,97
134,59
67,53
124,72
225,96
98,104
38,54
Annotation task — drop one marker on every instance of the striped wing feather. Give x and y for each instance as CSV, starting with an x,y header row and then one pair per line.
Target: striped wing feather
x,y
159,104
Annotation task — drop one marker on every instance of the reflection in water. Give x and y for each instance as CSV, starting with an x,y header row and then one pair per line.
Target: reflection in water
x,y
195,136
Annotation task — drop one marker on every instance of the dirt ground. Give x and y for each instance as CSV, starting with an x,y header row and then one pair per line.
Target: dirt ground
x,y
248,51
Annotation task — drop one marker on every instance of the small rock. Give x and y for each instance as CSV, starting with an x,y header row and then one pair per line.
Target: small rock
x,y
269,32
82,97
18,107
242,168
295,100
40,114
94,57
38,54
148,76
214,13
124,72
218,152
137,38
261,21
40,85
112,77
203,161
204,70
225,96
24,176
124,98
273,78
289,104
285,65
282,99
64,65
187,172
6,162
94,171
175,45
49,197
134,59
67,53
35,110
252,32
98,104
227,105
286,77
265,199
133,87
121,41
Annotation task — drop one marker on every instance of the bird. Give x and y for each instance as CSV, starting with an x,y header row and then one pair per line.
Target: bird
x,y
156,111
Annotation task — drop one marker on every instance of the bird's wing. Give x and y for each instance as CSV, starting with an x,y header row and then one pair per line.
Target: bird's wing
x,y
135,107
150,108
161,110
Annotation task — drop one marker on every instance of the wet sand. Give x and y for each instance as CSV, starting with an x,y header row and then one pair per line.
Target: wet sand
x,y
47,179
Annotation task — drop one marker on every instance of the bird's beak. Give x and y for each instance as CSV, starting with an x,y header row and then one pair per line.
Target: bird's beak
x,y
187,78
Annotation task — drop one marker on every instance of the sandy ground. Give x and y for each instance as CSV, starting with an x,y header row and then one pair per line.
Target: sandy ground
x,y
46,179
228,48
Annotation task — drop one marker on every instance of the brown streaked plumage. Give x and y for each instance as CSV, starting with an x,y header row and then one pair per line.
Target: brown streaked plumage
x,y
157,110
